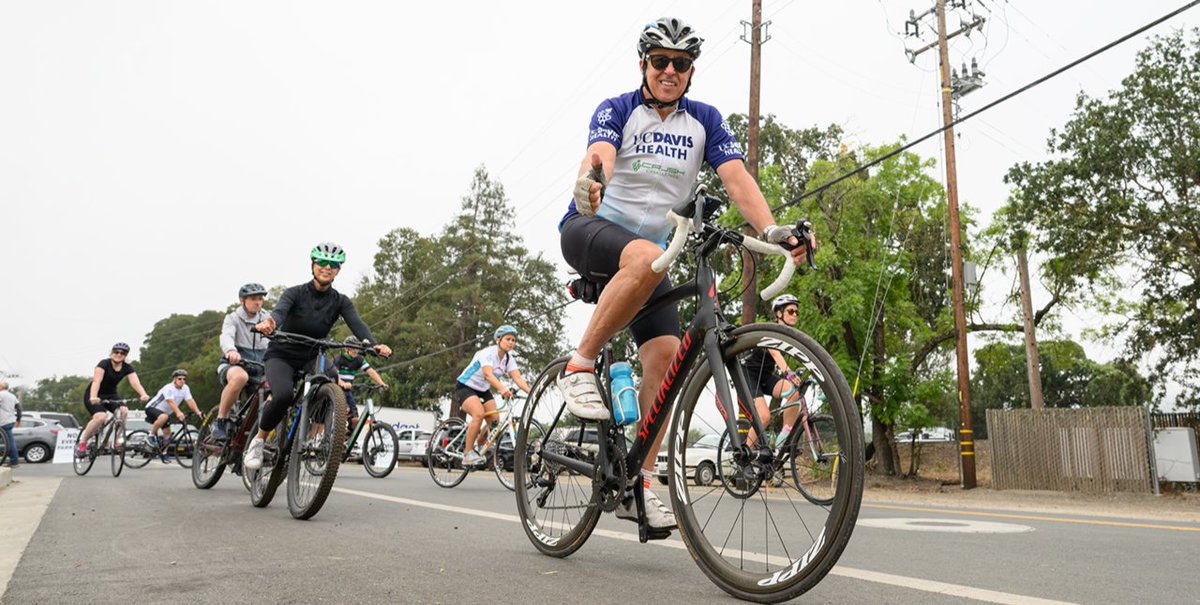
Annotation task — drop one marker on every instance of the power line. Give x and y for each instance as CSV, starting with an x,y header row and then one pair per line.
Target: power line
x,y
986,107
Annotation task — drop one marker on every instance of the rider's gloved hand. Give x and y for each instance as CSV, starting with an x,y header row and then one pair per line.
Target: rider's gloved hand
x,y
589,188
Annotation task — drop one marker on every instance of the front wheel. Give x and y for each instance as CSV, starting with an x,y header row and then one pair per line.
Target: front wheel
x,y
814,459
316,450
445,453
207,464
116,449
184,446
379,450
558,506
804,539
504,454
137,452
84,464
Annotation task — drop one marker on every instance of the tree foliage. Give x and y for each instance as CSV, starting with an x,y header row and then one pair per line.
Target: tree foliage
x,y
1117,207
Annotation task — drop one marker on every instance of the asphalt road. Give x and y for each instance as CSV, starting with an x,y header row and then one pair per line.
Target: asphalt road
x,y
150,536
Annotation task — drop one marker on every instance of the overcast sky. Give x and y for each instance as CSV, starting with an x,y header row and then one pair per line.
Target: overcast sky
x,y
155,155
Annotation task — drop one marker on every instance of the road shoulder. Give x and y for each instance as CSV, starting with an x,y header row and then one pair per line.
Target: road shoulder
x,y
24,504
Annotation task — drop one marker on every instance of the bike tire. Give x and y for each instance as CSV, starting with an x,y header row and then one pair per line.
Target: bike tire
x,y
137,456
543,488
116,450
379,450
183,447
84,464
208,456
265,481
769,579
813,468
315,459
445,466
501,454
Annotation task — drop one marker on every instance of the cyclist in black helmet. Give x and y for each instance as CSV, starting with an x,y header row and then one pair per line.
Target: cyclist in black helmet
x,y
105,378
238,342
309,309
645,151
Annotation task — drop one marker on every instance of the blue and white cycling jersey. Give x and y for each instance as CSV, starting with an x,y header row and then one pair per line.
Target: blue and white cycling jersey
x,y
658,160
490,356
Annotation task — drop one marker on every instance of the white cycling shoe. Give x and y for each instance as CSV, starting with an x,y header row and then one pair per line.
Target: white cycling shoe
x,y
254,455
658,516
582,394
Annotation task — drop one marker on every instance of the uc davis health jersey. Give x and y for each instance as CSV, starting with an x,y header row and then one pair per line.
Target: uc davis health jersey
x,y
658,159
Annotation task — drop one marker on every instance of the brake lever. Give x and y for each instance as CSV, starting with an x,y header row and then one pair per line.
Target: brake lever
x,y
802,231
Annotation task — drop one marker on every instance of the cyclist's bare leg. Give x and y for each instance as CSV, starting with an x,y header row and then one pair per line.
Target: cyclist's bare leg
x,y
655,355
158,425
489,419
93,425
472,407
235,380
764,415
628,290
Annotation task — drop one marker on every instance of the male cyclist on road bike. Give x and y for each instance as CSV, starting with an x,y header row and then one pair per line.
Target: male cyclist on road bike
x,y
167,402
309,309
346,367
474,389
770,375
238,342
645,151
103,386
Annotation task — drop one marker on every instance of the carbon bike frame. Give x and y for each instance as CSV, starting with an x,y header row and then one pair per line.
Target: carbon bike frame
x,y
709,329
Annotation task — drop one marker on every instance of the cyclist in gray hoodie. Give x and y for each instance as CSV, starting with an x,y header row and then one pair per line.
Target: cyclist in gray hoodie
x,y
238,343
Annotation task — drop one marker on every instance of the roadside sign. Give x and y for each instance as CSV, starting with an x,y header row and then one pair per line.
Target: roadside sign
x,y
64,449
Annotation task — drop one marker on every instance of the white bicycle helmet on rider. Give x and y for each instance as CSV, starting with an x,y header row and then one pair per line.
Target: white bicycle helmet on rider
x,y
782,301
670,34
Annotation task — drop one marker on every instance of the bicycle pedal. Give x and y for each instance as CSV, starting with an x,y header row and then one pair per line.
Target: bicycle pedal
x,y
657,534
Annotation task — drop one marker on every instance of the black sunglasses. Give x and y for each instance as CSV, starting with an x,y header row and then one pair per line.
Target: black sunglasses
x,y
660,62
329,263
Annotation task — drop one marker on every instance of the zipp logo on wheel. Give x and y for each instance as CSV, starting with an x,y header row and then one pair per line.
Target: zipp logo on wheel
x,y
790,571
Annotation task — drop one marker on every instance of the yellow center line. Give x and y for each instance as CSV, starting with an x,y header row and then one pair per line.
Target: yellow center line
x,y
1033,517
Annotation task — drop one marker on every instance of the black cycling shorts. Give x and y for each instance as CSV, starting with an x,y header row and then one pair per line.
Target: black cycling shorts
x,y
100,407
152,415
462,392
593,246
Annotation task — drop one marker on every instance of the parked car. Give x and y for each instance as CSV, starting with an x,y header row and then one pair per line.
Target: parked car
x,y
930,435
67,421
701,460
412,444
36,438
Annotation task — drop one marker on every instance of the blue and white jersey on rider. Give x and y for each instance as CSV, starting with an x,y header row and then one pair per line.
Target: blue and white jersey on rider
x,y
658,160
490,356
169,392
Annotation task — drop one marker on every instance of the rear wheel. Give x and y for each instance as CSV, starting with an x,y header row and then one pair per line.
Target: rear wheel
x,y
755,541
504,454
379,450
559,507
264,481
445,454
84,464
316,450
207,466
137,452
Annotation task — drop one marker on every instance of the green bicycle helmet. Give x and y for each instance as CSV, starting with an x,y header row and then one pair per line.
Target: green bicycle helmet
x,y
328,251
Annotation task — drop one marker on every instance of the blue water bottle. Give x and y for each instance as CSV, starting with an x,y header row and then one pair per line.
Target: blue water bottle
x,y
624,396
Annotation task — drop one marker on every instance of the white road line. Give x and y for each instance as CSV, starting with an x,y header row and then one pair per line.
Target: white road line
x,y
955,590
24,503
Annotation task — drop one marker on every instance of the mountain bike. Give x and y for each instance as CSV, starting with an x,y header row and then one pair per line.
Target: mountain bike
x,y
808,456
211,455
308,445
138,450
445,455
381,444
753,547
109,440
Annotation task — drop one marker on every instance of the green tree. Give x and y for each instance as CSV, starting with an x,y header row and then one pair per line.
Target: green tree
x,y
439,298
56,394
182,341
1117,208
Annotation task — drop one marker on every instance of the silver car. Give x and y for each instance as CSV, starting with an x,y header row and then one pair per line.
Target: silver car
x,y
35,439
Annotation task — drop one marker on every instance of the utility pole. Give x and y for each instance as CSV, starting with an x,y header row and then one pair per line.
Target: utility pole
x,y
749,259
1031,351
966,437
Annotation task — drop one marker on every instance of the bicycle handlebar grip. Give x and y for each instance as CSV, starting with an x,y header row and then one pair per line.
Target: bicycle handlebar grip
x,y
682,228
789,268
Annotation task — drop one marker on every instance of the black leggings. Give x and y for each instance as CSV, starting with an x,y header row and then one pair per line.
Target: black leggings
x,y
281,374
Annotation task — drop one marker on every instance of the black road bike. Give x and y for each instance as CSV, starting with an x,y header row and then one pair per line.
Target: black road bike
x,y
308,445
756,541
380,445
138,450
110,440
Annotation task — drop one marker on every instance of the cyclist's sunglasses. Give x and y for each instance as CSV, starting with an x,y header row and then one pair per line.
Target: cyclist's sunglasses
x,y
790,312
120,352
329,263
660,62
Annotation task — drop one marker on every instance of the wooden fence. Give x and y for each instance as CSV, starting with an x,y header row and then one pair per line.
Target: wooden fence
x,y
1072,450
